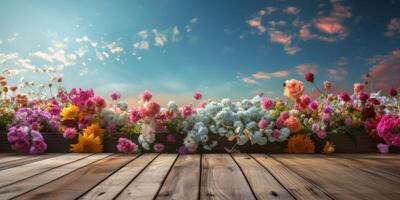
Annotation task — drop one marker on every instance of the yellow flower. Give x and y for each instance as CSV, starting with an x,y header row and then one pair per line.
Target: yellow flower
x,y
95,130
329,147
300,144
87,143
70,113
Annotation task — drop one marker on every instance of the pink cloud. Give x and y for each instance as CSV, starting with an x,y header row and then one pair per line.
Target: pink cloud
x,y
333,23
393,28
291,10
305,33
254,22
279,37
277,23
330,25
385,71
338,73
270,10
305,68
291,50
265,75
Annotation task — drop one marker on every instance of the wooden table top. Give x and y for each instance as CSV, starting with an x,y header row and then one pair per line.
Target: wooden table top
x,y
200,176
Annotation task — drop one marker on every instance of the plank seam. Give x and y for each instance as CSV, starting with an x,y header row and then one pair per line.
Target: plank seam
x,y
247,180
165,177
119,193
60,176
43,171
305,178
201,172
28,160
95,185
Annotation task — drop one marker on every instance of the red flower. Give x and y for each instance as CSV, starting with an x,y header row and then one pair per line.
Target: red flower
x,y
393,92
309,77
363,96
344,96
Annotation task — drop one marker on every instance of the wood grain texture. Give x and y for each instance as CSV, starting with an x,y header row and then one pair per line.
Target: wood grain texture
x,y
80,181
113,185
264,185
342,181
387,163
147,184
221,178
183,180
25,159
295,184
33,182
15,174
6,157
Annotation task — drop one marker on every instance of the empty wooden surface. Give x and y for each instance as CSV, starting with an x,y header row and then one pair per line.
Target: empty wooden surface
x,y
206,176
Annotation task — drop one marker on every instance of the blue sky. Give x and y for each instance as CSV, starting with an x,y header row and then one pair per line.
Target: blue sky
x,y
222,48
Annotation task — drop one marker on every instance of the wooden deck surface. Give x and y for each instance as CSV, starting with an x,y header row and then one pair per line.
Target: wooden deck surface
x,y
206,176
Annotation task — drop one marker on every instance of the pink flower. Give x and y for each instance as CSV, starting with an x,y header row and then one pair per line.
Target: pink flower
x,y
70,133
313,105
158,147
150,110
344,96
37,147
309,77
348,121
146,96
99,101
186,110
134,115
358,87
276,133
293,89
267,103
327,85
125,145
197,95
363,96
115,96
262,124
171,137
322,134
203,104
388,128
383,148
21,145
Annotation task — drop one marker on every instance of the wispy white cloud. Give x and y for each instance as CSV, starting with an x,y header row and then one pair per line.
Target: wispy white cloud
x,y
305,68
393,28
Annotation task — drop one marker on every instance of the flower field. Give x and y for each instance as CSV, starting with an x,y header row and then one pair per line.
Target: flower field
x,y
296,123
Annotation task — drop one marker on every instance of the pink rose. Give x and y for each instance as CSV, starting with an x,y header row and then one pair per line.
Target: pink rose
x,y
146,96
197,95
115,96
125,145
70,133
262,124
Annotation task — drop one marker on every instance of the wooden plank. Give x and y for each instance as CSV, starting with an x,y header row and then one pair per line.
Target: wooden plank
x,y
147,184
15,174
6,157
264,185
183,181
80,181
389,163
221,178
342,181
25,159
112,186
295,184
28,184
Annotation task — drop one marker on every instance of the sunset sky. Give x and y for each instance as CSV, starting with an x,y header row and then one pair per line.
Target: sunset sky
x,y
222,48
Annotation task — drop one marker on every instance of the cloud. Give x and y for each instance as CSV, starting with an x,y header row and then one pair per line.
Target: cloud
x,y
249,80
270,10
12,38
143,34
338,73
159,38
175,33
291,50
6,57
256,23
279,37
265,75
194,20
305,68
333,23
385,71
114,48
277,23
291,10
393,28
82,39
26,63
144,45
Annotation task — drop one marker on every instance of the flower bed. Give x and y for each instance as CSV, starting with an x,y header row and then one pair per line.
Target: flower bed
x,y
80,121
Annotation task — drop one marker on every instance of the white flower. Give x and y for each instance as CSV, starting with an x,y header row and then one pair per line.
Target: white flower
x,y
294,112
172,106
259,138
242,140
122,105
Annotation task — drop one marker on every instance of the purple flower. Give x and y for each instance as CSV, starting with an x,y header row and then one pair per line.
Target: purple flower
x,y
327,110
158,147
70,133
383,148
171,137
37,147
183,150
313,105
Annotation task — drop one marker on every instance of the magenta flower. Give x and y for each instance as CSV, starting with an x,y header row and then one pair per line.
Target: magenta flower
x,y
70,133
393,92
383,148
37,147
115,96
309,77
125,145
363,96
99,102
146,95
388,128
344,96
171,137
134,115
197,96
322,134
267,103
186,110
262,124
313,105
158,147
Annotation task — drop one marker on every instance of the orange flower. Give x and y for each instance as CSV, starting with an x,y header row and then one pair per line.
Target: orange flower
x,y
293,124
300,144
293,89
87,143
95,129
328,148
358,87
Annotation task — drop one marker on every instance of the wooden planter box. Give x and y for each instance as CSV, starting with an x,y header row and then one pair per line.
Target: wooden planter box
x,y
355,142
